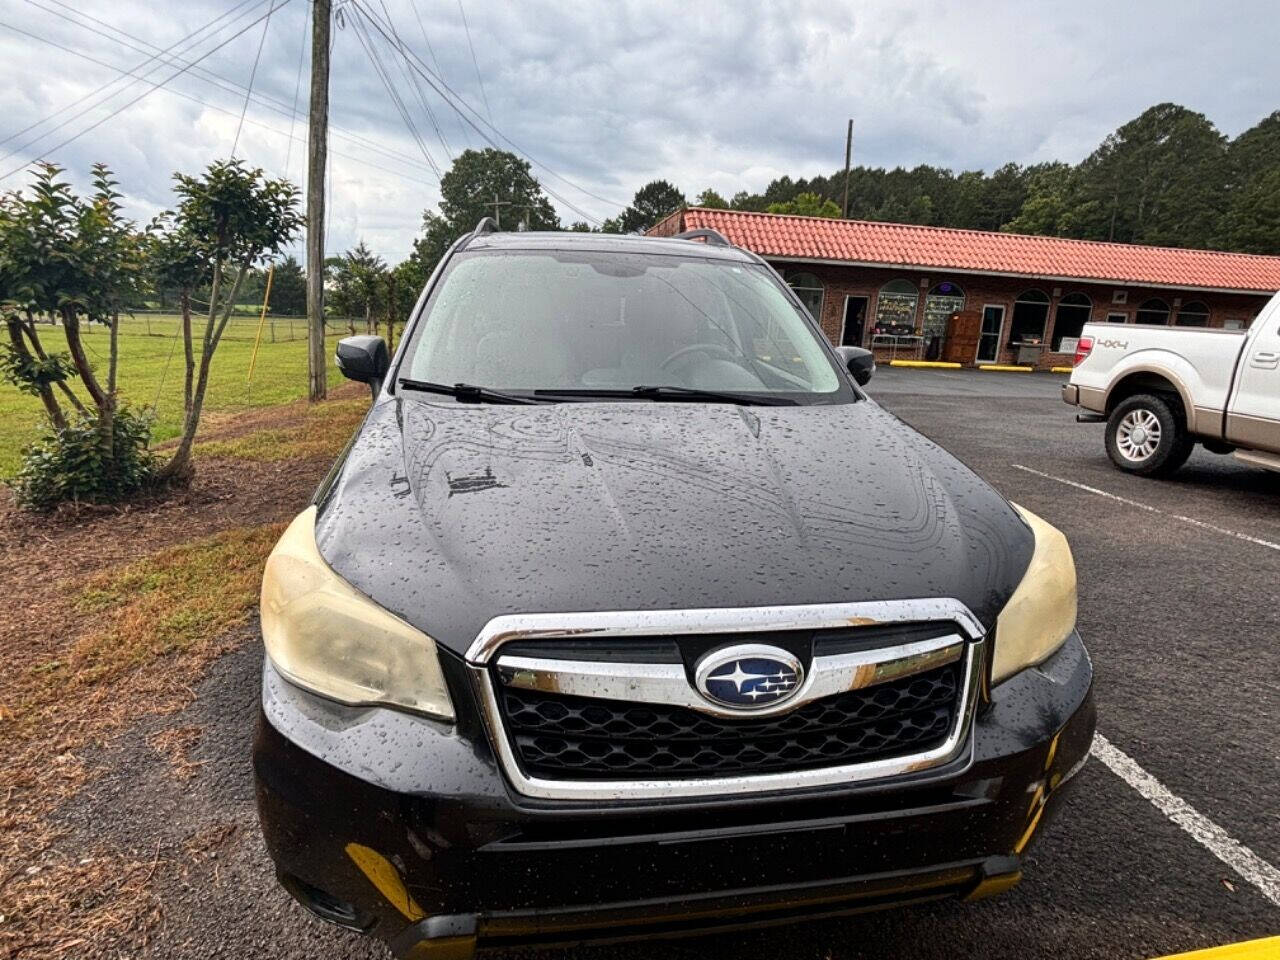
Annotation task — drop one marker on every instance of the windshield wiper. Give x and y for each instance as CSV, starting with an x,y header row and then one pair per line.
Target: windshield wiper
x,y
466,392
668,392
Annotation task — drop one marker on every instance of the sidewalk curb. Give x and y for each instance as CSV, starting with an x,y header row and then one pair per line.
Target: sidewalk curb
x,y
1004,368
926,364
1061,369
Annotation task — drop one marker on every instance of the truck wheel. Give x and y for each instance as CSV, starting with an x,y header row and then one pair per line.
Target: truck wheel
x,y
1146,437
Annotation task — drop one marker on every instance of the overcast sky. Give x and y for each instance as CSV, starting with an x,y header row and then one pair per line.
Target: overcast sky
x,y
610,95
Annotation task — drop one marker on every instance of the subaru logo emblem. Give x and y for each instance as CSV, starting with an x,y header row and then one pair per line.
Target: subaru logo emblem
x,y
748,677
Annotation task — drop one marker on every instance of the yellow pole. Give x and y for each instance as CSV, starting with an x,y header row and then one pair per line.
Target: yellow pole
x,y
266,296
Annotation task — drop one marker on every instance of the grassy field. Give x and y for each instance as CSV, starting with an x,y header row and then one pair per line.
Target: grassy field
x,y
151,376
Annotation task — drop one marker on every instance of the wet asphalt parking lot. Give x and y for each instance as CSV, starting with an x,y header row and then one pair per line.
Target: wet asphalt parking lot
x,y
1169,842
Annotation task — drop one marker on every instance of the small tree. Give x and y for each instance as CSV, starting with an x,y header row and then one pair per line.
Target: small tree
x,y
178,261
289,288
23,360
232,217
359,286
75,260
80,261
410,276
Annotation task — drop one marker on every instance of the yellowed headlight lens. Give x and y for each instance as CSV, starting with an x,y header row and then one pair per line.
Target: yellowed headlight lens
x,y
323,634
1042,611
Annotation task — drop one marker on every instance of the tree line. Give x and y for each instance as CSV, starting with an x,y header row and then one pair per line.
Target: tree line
x,y
1168,177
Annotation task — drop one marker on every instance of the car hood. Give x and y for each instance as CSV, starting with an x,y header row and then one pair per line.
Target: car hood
x,y
449,514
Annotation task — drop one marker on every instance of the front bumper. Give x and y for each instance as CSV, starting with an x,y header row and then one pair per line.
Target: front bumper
x,y
409,827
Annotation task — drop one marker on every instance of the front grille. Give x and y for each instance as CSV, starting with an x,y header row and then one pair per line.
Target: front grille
x,y
563,737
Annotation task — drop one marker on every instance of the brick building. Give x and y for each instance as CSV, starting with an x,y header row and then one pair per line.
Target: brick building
x,y
972,296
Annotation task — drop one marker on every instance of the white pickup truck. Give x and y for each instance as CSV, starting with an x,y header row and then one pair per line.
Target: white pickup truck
x,y
1161,390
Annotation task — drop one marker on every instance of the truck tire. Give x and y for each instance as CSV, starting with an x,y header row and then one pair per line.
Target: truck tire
x,y
1147,437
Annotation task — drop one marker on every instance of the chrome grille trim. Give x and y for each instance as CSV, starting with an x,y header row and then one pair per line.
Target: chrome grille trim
x,y
504,629
667,684
640,623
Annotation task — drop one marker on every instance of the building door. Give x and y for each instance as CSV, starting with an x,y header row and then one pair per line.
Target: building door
x,y
855,321
989,337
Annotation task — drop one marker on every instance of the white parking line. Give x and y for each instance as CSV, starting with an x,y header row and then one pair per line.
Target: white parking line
x,y
1251,867
1150,509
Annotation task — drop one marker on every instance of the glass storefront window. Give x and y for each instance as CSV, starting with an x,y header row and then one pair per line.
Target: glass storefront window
x,y
896,309
943,300
1193,314
1030,314
1155,311
1070,317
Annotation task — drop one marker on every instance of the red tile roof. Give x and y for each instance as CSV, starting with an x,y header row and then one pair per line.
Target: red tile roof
x,y
979,251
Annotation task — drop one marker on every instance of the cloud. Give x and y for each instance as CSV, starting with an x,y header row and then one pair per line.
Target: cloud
x,y
720,93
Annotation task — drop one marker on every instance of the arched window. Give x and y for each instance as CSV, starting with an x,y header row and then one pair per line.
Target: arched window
x,y
1193,314
1070,317
1154,310
896,308
809,289
943,300
1030,314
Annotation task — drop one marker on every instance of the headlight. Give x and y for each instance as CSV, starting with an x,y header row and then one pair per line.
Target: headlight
x,y
324,635
1042,612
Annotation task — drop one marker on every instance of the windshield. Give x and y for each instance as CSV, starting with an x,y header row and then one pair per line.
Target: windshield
x,y
527,321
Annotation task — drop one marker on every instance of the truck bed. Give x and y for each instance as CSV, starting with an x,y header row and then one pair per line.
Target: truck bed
x,y
1203,359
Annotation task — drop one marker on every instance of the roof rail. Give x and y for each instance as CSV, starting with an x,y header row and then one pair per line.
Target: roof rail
x,y
486,225
705,233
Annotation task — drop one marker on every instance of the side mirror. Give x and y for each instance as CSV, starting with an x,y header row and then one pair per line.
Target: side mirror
x,y
364,359
861,363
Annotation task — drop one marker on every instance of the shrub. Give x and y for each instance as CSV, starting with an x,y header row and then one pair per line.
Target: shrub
x,y
68,465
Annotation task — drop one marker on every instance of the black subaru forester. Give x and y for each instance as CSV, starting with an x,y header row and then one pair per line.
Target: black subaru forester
x,y
626,612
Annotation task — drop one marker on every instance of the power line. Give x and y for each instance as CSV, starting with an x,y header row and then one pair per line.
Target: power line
x,y
474,62
460,100
297,85
218,80
436,83
366,42
145,93
133,72
413,79
485,137
434,60
262,41
113,80
359,141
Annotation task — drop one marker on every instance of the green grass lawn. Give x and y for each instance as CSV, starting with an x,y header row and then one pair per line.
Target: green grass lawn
x,y
151,375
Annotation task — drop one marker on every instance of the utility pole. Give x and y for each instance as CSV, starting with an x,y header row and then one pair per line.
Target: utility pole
x,y
497,207
317,157
848,155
